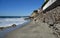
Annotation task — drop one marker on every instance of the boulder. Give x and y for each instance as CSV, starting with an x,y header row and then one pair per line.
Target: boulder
x,y
14,25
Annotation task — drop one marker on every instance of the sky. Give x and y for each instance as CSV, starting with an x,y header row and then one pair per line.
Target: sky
x,y
19,7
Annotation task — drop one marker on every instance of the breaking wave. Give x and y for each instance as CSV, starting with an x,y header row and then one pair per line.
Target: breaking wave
x,y
4,22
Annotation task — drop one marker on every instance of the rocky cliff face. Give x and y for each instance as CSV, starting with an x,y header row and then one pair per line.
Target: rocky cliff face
x,y
52,18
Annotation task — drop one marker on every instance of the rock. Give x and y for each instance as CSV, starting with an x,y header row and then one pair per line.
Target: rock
x,y
14,25
1,28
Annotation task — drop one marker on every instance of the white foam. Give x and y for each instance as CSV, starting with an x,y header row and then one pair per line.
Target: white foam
x,y
5,22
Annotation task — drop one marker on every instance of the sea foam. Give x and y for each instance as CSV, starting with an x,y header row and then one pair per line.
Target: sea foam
x,y
5,22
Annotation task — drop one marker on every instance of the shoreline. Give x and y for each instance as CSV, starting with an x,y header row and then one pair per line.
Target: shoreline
x,y
13,26
31,30
10,29
3,28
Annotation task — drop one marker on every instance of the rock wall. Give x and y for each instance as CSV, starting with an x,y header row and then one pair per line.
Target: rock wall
x,y
54,15
52,18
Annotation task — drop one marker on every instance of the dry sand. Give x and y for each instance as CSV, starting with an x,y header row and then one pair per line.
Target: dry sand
x,y
32,30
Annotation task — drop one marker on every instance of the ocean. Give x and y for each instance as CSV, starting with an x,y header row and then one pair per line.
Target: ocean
x,y
5,22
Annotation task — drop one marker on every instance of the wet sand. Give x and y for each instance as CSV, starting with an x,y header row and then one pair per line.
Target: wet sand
x,y
32,30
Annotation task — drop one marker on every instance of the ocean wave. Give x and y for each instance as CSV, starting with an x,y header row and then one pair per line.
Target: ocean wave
x,y
5,22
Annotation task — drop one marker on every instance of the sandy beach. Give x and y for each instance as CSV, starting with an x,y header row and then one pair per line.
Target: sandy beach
x,y
32,30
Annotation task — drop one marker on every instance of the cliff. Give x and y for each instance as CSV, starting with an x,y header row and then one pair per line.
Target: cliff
x,y
50,16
